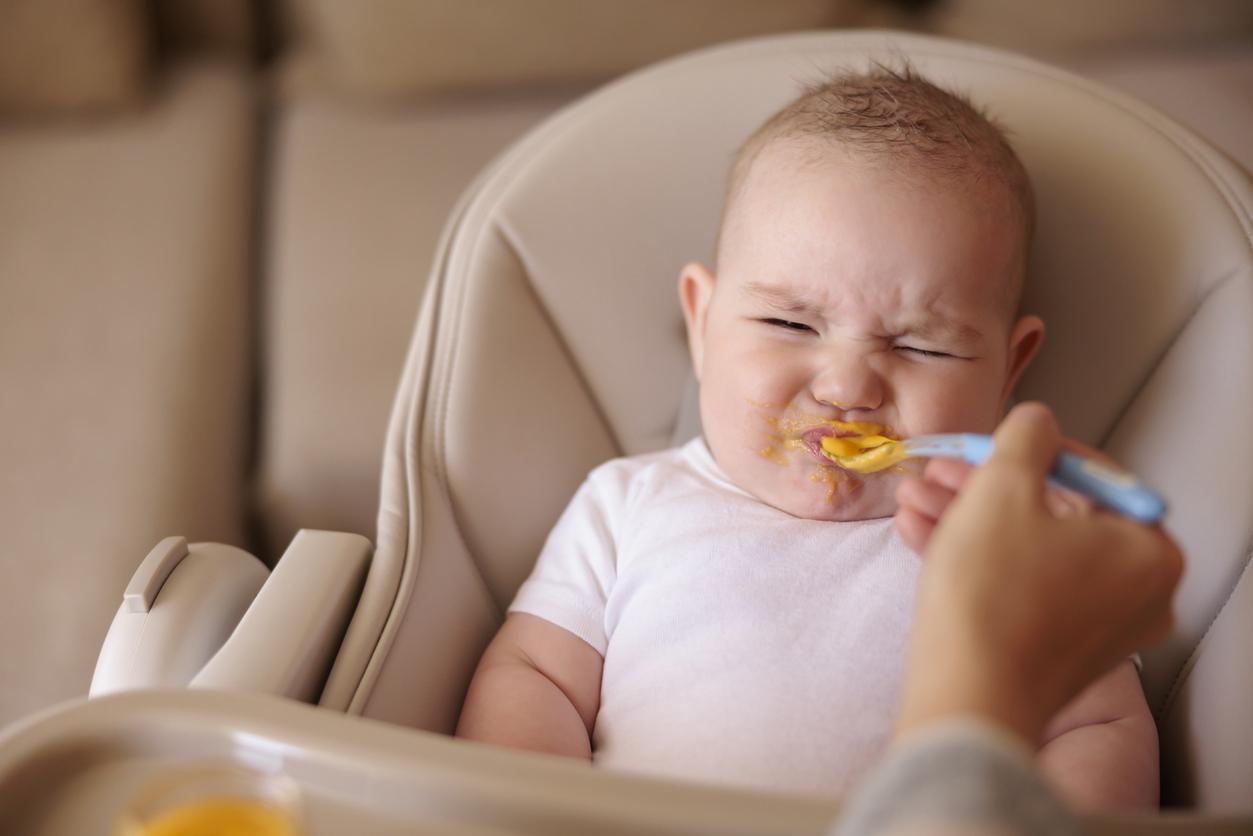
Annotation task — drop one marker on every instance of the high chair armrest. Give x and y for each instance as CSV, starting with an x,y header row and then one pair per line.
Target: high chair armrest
x,y
180,606
286,641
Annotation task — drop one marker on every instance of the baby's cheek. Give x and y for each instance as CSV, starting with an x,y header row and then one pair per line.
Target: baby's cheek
x,y
745,384
729,411
959,406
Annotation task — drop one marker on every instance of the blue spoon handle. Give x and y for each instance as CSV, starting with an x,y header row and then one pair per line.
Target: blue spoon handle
x,y
1115,489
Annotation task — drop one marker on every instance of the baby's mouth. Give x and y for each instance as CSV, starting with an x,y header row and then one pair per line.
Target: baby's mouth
x,y
859,446
811,439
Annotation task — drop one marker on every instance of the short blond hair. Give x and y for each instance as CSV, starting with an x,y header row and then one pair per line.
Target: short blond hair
x,y
894,114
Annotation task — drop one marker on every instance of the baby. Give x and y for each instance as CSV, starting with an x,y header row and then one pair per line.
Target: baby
x,y
736,610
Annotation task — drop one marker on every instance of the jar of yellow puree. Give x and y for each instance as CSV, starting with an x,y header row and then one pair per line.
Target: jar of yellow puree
x,y
214,800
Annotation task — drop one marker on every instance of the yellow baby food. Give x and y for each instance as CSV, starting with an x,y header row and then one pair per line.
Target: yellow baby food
x,y
869,451
220,817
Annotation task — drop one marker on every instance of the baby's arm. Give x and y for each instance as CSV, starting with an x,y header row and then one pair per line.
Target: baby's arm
x,y
537,687
1100,751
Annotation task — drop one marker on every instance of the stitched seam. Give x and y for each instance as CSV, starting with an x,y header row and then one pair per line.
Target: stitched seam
x,y
1176,684
411,430
438,464
1167,700
510,239
1156,365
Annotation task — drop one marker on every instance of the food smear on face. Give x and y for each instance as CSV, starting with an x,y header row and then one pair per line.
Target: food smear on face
x,y
783,436
794,433
849,449
841,485
861,447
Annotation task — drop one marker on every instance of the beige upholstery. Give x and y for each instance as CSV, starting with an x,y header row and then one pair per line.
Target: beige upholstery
x,y
123,353
1205,707
359,197
399,48
1208,90
550,340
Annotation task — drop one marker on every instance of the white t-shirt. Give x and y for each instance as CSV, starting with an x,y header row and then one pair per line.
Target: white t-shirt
x,y
742,645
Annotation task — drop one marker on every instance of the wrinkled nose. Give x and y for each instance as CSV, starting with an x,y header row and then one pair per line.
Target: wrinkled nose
x,y
849,383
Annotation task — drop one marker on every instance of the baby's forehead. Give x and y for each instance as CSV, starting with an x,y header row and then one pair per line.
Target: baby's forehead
x,y
785,199
790,168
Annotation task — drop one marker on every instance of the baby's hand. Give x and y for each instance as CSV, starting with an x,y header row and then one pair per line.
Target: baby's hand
x,y
922,500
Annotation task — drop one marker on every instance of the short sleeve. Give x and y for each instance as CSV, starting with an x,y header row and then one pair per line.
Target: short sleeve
x,y
575,572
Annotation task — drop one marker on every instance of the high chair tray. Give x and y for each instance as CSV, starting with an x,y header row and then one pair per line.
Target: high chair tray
x,y
72,769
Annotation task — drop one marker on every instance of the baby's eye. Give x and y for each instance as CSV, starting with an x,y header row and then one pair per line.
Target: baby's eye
x,y
922,352
791,326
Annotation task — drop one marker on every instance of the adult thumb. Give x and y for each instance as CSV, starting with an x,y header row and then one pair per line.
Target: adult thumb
x,y
1029,437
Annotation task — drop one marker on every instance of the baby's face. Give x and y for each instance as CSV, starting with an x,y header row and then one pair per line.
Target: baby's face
x,y
850,293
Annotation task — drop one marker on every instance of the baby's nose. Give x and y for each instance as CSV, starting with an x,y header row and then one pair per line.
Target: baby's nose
x,y
849,383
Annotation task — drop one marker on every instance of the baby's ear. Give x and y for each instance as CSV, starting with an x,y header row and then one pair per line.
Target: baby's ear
x,y
1025,339
696,289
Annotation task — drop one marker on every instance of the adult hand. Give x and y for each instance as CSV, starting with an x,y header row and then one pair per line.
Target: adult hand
x,y
1024,601
922,501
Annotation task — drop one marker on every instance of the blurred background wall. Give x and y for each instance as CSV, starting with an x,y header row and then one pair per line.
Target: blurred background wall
x,y
216,218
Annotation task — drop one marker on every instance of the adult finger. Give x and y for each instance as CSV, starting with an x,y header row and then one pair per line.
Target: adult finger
x,y
915,529
1064,503
1163,553
1081,449
950,473
1029,436
927,498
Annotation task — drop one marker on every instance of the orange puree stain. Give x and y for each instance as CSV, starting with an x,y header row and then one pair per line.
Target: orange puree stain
x,y
828,477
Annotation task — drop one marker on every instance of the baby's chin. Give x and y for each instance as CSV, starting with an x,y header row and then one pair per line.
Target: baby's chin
x,y
837,511
850,513
835,497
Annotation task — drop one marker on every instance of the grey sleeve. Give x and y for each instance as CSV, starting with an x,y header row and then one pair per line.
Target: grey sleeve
x,y
965,777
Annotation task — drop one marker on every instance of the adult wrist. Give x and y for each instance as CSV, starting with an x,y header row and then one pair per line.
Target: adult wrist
x,y
934,695
959,776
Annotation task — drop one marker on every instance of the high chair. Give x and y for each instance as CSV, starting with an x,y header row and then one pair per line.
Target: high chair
x,y
550,340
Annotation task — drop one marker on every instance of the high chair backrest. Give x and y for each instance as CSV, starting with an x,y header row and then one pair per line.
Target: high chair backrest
x,y
551,340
